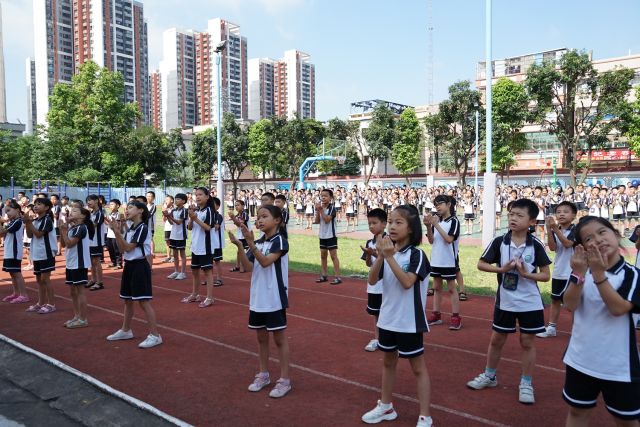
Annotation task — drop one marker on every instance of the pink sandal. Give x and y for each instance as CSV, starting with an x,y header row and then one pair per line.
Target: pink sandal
x,y
8,298
20,299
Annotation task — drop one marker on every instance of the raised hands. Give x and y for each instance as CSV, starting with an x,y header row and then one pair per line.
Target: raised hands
x,y
386,247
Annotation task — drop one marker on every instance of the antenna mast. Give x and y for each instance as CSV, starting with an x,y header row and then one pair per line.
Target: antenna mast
x,y
430,52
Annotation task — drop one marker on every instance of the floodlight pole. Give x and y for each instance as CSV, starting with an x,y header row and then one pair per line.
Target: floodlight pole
x,y
489,196
220,183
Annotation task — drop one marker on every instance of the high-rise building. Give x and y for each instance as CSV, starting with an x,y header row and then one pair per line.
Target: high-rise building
x,y
261,88
113,33
178,80
155,85
3,94
205,72
32,109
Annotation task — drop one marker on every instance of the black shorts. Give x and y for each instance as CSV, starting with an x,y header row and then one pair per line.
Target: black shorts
x,y
271,321
540,221
26,245
245,245
618,217
331,243
299,211
217,254
44,266
309,215
78,276
12,265
95,251
557,286
338,208
529,322
621,399
136,280
581,206
201,262
57,232
632,214
351,214
167,234
407,344
177,244
374,301
446,273
469,216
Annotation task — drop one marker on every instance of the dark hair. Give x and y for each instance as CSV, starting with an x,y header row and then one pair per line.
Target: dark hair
x,y
531,207
143,206
269,195
65,198
41,195
216,202
94,197
103,200
446,199
13,204
570,205
78,201
411,214
169,196
377,213
240,201
132,197
586,220
538,188
91,229
141,199
55,195
181,196
152,193
205,190
276,213
116,201
328,191
281,197
47,203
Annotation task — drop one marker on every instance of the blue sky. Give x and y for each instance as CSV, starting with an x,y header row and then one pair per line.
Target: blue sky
x,y
369,49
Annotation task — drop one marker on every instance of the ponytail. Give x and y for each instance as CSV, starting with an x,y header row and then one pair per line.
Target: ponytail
x,y
91,229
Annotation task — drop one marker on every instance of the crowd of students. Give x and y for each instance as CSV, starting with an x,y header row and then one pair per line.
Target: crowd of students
x,y
590,278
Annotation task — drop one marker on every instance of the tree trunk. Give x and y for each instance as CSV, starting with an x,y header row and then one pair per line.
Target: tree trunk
x,y
264,180
585,171
368,176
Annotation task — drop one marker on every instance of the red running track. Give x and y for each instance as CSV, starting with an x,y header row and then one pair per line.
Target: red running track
x,y
201,372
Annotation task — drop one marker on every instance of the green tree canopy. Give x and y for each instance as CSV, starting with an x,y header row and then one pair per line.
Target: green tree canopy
x,y
407,150
379,137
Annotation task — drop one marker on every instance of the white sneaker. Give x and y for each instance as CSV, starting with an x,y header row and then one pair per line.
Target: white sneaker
x,y
181,276
482,381
151,341
259,382
173,275
549,333
281,389
372,346
379,413
120,335
526,394
424,421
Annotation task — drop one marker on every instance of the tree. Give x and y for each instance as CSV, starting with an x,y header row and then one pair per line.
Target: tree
x,y
633,131
437,131
260,151
301,137
203,152
407,150
379,137
181,172
510,113
579,105
457,114
235,148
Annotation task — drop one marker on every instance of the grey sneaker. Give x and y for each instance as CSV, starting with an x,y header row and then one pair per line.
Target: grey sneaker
x,y
526,394
482,381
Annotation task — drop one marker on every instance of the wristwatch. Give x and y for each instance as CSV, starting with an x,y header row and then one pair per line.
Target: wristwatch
x,y
578,280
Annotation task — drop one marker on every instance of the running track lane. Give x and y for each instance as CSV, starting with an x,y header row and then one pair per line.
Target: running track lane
x,y
209,357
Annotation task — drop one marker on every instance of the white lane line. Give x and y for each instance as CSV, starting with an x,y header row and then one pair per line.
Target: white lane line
x,y
97,383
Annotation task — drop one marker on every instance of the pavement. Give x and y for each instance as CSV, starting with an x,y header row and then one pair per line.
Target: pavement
x,y
34,392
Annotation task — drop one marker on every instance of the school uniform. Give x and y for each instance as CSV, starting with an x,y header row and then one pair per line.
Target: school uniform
x,y
78,259
351,209
619,202
468,210
562,263
136,275
517,298
243,217
444,256
602,355
268,296
327,230
55,210
151,222
541,202
374,291
168,225
13,246
43,249
402,320
309,209
178,233
632,206
217,236
97,243
594,206
112,244
201,240
285,223
580,200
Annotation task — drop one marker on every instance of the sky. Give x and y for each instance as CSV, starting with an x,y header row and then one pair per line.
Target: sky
x,y
368,49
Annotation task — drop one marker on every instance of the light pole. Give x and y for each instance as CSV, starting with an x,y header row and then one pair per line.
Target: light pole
x,y
489,196
220,184
476,167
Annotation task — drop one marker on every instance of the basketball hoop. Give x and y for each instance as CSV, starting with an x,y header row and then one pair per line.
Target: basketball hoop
x,y
341,159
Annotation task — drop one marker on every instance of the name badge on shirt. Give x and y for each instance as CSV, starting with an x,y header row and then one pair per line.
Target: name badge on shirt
x,y
510,281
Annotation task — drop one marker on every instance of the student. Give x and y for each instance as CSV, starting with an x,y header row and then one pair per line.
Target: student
x,y
55,210
201,221
443,230
308,211
541,202
560,239
64,209
12,232
149,242
76,235
178,218
351,212
167,207
217,235
151,198
268,261
521,262
281,202
43,246
96,249
326,217
402,322
136,275
377,219
112,245
602,355
240,217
